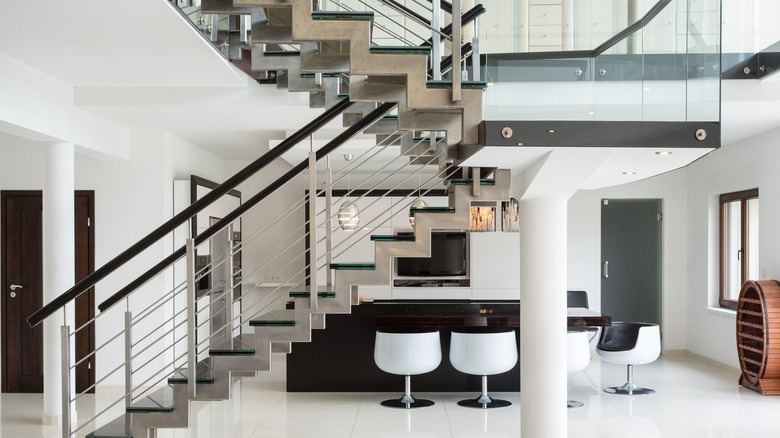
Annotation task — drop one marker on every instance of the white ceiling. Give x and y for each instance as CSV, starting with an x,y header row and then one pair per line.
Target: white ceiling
x,y
140,64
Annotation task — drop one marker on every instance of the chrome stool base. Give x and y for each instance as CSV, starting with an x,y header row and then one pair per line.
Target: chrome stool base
x,y
407,402
484,402
628,389
572,404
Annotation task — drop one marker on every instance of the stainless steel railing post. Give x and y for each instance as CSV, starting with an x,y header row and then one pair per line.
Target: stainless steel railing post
x,y
128,359
65,353
229,295
328,215
191,347
436,40
456,42
476,74
313,227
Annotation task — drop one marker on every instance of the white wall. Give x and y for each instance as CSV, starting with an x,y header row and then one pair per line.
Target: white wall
x,y
584,246
692,321
748,164
132,197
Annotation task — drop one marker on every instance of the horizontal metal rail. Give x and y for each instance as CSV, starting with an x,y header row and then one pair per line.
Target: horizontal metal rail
x,y
230,184
254,200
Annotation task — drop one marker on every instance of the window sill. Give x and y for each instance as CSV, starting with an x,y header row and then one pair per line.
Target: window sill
x,y
722,311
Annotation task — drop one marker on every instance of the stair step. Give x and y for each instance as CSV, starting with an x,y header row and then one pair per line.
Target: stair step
x,y
390,117
203,373
324,75
276,318
426,139
282,53
307,294
342,15
158,402
120,427
393,237
353,266
469,181
415,209
401,49
343,96
464,84
238,346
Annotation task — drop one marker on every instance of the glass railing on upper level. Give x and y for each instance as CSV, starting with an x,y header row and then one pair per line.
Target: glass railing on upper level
x,y
665,66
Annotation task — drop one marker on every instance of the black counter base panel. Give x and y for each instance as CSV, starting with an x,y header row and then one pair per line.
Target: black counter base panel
x,y
341,357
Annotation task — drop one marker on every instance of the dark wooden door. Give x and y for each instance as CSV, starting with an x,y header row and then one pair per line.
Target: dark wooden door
x,y
631,254
85,303
22,346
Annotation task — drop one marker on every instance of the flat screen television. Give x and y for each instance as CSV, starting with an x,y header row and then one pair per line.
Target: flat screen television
x,y
448,258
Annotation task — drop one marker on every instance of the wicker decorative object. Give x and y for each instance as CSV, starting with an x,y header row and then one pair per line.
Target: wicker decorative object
x,y
758,336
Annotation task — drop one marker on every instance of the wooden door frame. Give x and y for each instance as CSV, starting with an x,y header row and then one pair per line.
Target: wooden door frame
x,y
4,194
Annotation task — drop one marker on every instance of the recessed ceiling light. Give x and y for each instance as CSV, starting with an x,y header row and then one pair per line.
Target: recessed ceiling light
x,y
551,131
591,112
629,173
520,144
663,153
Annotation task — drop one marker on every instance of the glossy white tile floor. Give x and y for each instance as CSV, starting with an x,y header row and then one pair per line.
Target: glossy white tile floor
x,y
694,399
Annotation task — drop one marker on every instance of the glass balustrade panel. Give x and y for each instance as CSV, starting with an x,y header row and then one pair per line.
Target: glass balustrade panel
x,y
665,70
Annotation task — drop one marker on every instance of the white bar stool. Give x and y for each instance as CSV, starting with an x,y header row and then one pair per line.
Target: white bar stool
x,y
483,353
577,357
407,354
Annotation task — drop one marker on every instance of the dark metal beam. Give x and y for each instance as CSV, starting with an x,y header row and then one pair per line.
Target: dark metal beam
x,y
626,134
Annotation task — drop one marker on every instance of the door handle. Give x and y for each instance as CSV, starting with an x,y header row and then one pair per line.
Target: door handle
x,y
16,286
606,269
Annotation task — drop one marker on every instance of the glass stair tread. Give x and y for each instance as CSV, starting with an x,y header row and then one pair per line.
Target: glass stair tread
x,y
276,318
343,96
282,53
414,210
393,237
307,294
324,75
426,139
120,427
401,49
203,375
390,117
353,266
158,402
469,181
464,84
238,346
342,15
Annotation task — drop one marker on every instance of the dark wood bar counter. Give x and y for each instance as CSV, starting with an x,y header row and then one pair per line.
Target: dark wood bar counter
x,y
341,357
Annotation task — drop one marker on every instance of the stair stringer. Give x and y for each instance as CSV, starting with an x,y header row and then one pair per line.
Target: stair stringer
x,y
412,67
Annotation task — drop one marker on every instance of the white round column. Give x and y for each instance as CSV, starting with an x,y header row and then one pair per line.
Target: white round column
x,y
58,265
543,317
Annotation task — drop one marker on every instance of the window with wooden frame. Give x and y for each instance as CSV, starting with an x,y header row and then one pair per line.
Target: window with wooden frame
x,y
738,243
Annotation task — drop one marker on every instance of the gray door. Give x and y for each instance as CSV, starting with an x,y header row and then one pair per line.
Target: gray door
x,y
631,259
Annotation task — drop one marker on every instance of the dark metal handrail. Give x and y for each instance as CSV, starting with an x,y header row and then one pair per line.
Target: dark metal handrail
x,y
603,47
245,206
231,183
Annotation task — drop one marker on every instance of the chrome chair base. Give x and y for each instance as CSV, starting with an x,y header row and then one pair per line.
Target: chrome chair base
x,y
572,404
628,389
484,402
407,402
